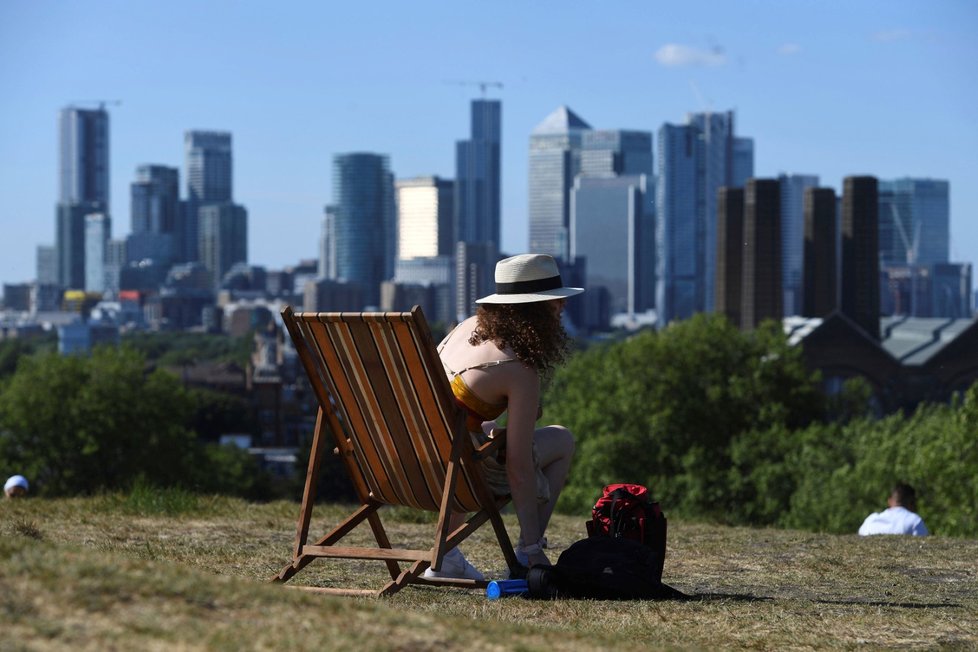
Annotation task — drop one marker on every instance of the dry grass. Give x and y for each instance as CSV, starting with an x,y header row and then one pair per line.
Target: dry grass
x,y
104,573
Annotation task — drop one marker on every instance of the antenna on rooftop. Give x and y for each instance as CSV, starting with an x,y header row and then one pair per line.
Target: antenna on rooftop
x,y
101,103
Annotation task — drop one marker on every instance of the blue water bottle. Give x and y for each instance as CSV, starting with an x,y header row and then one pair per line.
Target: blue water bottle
x,y
502,588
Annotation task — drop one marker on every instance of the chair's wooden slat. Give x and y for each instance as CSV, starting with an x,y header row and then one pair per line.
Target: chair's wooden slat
x,y
357,552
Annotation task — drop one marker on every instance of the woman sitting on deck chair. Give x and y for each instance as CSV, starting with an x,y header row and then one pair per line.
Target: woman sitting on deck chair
x,y
495,361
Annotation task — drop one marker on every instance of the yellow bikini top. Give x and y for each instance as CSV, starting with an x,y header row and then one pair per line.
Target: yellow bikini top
x,y
477,409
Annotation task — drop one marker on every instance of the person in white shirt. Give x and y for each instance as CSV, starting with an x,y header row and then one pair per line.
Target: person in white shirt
x,y
899,517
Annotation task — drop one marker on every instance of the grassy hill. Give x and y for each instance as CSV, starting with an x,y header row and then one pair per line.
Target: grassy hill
x,y
171,571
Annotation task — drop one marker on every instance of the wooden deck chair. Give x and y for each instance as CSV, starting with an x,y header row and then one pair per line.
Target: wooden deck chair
x,y
384,396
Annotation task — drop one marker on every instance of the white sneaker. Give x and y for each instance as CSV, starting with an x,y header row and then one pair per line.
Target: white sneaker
x,y
524,558
455,566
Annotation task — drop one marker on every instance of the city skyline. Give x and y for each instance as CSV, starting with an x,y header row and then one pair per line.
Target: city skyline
x,y
855,90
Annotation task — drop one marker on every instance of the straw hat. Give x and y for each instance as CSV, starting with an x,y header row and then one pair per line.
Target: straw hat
x,y
527,278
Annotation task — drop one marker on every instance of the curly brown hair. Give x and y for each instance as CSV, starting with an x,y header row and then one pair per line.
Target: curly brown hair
x,y
532,330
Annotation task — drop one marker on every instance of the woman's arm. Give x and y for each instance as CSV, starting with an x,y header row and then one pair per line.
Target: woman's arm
x,y
523,404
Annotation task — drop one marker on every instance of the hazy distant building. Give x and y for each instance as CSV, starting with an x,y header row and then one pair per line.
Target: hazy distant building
x,y
730,253
84,157
761,288
914,221
612,228
83,186
424,217
98,230
820,291
952,290
475,265
47,264
477,190
793,188
223,237
859,289
70,242
327,244
694,161
555,160
363,198
208,160
616,152
156,209
326,295
209,180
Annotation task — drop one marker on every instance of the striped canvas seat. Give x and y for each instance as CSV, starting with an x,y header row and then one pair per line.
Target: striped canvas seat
x,y
386,401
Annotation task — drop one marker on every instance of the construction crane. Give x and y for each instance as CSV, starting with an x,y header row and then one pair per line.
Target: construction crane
x,y
483,85
101,103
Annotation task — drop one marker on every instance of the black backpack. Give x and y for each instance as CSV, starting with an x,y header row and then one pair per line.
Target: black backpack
x,y
621,559
627,511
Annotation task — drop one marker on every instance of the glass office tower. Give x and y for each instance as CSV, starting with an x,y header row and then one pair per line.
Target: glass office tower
x,y
793,188
555,159
364,222
83,186
914,221
477,177
695,160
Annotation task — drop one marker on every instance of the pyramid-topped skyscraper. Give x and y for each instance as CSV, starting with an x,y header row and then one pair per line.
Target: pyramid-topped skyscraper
x,y
555,159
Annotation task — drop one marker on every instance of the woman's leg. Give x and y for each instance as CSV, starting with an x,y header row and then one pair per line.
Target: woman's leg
x,y
555,450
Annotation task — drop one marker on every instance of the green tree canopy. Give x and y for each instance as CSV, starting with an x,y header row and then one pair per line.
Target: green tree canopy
x,y
668,404
79,424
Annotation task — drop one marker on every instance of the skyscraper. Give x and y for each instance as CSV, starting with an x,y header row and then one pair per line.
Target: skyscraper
x,y
209,180
555,159
98,229
914,221
616,152
612,229
208,166
424,217
761,286
730,253
612,222
223,239
819,297
83,186
363,197
859,297
327,244
477,177
694,161
84,160
157,214
793,188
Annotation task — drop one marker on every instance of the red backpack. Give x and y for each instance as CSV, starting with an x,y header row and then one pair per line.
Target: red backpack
x,y
627,511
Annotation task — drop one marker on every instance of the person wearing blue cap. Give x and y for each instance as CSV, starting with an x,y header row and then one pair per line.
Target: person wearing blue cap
x,y
15,486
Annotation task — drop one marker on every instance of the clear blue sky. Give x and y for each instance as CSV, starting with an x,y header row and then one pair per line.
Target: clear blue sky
x,y
830,88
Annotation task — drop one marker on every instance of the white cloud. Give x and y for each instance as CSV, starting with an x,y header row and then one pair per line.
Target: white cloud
x,y
674,55
787,49
888,35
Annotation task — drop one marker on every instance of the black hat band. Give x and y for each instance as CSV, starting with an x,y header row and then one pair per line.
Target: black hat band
x,y
530,287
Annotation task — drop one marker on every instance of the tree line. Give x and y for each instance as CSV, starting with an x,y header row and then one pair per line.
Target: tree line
x,y
722,425
730,426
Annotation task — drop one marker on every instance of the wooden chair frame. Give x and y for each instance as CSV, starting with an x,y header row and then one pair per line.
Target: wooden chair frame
x,y
384,396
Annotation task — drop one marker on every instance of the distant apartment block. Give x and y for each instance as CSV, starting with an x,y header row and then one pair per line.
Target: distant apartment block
x,y
424,217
